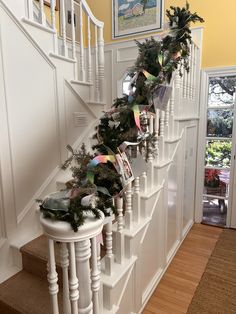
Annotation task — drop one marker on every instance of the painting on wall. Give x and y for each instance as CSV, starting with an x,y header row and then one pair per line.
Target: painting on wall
x,y
131,17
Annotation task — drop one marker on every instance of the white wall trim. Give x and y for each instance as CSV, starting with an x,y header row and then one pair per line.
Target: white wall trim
x,y
205,74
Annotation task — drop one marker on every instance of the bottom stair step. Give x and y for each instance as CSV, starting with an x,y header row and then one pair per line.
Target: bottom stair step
x,y
25,293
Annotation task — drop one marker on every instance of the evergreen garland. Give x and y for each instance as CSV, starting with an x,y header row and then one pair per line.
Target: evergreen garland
x,y
156,62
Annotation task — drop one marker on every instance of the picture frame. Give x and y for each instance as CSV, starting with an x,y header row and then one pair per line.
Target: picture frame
x,y
123,167
134,17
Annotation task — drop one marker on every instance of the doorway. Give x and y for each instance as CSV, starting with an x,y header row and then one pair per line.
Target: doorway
x,y
217,148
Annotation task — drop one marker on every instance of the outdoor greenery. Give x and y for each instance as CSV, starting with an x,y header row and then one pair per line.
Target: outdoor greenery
x,y
218,153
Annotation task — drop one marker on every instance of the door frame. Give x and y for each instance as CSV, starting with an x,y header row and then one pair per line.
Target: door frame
x,y
205,74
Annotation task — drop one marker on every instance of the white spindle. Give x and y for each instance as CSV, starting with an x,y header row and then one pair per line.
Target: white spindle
x,y
53,25
184,83
136,200
128,207
52,277
65,265
101,64
143,182
30,10
95,276
119,233
63,28
73,282
161,137
82,70
166,120
73,38
96,65
194,71
109,255
172,100
83,253
42,18
89,56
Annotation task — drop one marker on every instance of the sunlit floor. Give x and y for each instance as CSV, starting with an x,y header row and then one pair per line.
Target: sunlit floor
x,y
214,213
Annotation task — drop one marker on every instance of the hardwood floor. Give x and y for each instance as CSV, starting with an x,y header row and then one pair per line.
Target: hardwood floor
x,y
176,289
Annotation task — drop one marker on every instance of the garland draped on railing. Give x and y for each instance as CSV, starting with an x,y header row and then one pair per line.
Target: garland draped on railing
x,y
99,177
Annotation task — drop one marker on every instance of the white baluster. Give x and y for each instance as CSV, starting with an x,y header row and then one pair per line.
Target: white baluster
x,y
184,95
53,25
172,122
194,72
42,18
64,261
166,121
52,277
191,72
119,233
30,9
96,65
89,56
101,64
136,200
161,137
95,276
109,255
73,282
73,38
63,28
83,253
82,70
128,207
156,127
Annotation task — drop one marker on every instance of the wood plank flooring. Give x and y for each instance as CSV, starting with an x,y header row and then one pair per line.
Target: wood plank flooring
x,y
176,289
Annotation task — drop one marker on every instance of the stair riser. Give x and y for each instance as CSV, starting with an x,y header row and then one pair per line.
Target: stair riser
x,y
37,266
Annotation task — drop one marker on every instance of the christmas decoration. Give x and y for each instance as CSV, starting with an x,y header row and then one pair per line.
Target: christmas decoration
x,y
100,177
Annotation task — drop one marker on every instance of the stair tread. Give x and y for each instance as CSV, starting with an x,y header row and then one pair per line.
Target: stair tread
x,y
25,293
39,248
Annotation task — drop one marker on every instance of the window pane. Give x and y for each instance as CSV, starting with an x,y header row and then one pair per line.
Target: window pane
x,y
219,123
222,91
218,153
214,211
216,182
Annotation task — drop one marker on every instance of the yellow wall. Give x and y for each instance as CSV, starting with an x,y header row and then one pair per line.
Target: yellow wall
x,y
219,41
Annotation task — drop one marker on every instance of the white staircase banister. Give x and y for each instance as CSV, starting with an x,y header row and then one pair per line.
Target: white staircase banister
x,y
90,14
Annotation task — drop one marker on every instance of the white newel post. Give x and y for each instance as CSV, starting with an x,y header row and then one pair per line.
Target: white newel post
x,y
52,277
53,25
63,28
64,255
83,253
42,18
101,64
80,296
81,39
119,234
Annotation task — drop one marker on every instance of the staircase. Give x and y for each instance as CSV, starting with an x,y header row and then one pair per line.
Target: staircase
x,y
154,217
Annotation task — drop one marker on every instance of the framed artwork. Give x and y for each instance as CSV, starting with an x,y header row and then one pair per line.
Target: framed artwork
x,y
131,17
123,167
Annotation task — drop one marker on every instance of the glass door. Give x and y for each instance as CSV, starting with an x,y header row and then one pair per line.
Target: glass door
x,y
219,132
